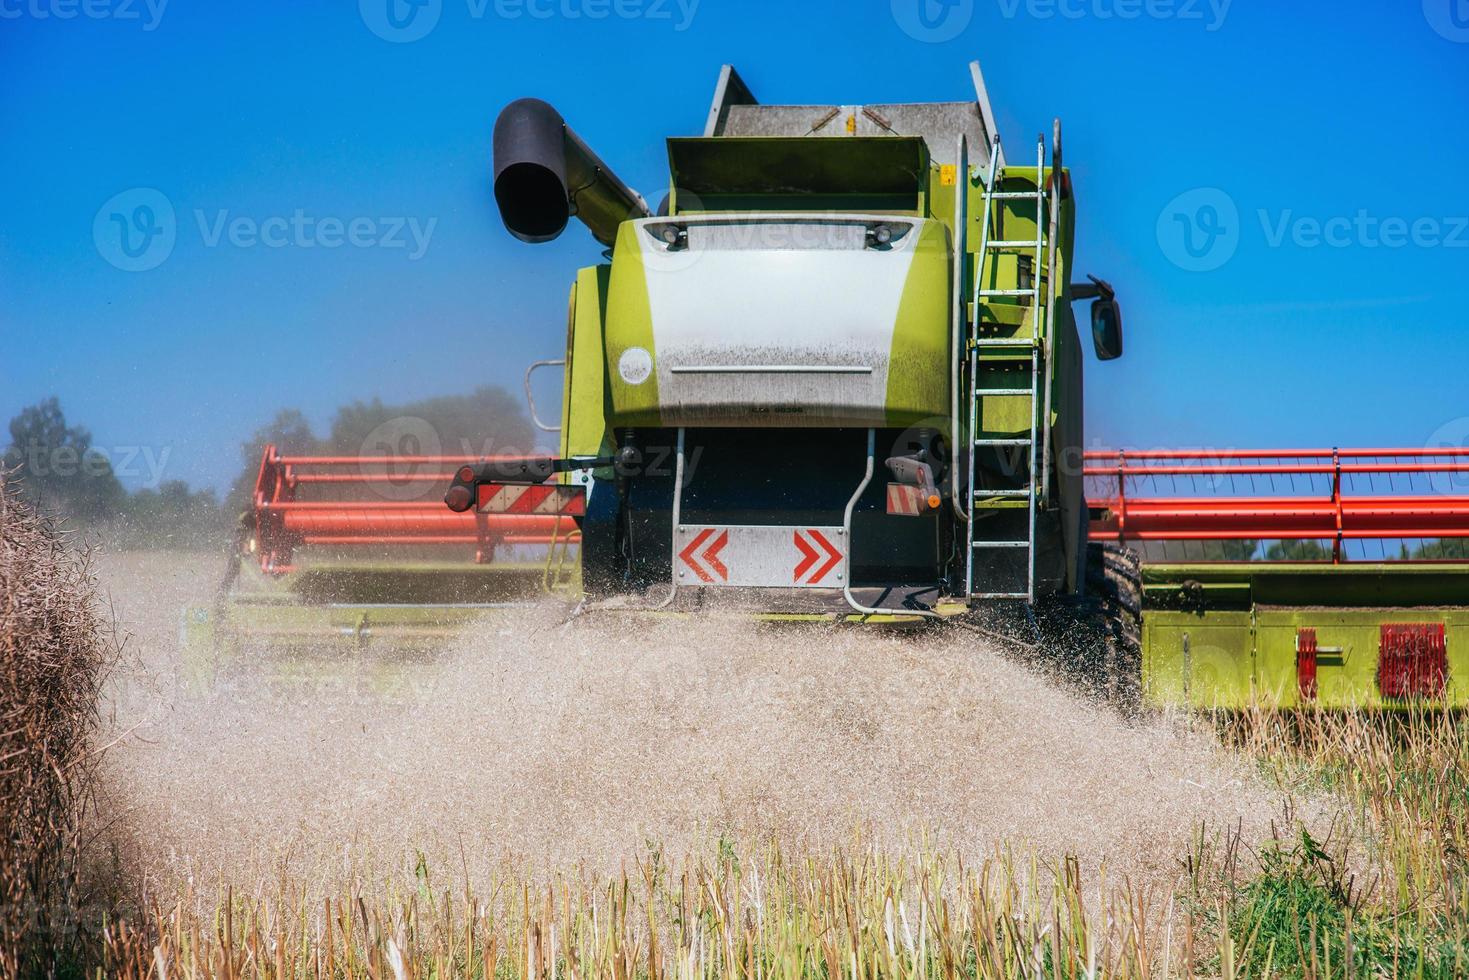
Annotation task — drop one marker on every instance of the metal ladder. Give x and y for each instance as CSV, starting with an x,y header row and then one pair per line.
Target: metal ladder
x,y
1012,349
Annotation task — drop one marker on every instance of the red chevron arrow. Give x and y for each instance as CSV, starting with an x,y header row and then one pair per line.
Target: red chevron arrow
x,y
836,557
687,555
711,556
811,555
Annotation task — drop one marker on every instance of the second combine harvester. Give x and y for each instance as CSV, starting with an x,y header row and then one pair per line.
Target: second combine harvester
x,y
837,371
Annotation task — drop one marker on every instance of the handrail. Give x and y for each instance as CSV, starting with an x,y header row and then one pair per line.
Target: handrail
x,y
1336,512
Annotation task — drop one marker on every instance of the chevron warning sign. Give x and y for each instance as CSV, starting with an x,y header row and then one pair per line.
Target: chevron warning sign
x,y
759,556
702,555
817,553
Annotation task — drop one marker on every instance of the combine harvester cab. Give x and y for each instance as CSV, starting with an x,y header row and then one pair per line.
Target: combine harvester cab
x,y
1296,578
838,369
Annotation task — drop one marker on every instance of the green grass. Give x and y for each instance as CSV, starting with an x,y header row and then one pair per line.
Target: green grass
x,y
1399,905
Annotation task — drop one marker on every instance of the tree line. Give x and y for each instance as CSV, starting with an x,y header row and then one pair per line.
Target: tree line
x,y
58,467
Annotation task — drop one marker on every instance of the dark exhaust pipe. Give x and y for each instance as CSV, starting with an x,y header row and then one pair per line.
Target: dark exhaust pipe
x,y
544,174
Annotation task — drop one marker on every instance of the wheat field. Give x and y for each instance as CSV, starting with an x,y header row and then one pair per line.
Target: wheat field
x,y
698,798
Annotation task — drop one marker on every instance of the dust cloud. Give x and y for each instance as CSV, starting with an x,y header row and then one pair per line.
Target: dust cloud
x,y
557,745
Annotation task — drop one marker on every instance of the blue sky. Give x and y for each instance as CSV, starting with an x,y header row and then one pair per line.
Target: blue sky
x,y
1205,140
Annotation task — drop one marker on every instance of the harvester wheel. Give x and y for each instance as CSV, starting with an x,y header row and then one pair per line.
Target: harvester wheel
x,y
1090,642
1114,582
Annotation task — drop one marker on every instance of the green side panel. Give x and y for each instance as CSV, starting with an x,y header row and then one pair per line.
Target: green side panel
x,y
1224,635
1198,661
1348,642
1066,354
1365,584
918,363
630,324
586,398
941,195
1004,416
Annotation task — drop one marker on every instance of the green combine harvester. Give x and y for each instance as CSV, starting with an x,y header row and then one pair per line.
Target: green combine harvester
x,y
836,375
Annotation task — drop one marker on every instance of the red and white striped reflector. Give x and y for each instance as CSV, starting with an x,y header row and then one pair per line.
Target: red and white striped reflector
x,y
906,501
542,498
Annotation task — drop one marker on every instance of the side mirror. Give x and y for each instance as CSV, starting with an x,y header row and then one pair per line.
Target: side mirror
x,y
1106,316
1107,328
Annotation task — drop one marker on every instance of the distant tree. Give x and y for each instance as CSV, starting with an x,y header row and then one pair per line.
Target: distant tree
x,y
58,467
1230,550
289,432
1298,551
1448,549
173,516
1191,551
489,421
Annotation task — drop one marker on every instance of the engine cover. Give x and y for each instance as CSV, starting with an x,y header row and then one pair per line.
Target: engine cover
x,y
779,320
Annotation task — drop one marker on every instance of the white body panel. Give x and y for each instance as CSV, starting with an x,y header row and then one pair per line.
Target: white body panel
x,y
812,342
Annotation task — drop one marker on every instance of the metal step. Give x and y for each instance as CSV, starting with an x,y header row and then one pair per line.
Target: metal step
x,y
1014,195
1002,442
1030,246
1004,392
1001,544
1001,595
1026,343
995,293
1017,494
